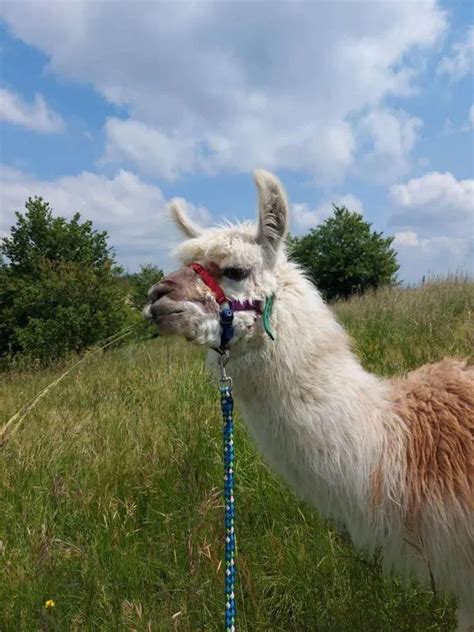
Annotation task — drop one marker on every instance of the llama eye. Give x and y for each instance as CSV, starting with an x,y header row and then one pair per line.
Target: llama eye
x,y
236,274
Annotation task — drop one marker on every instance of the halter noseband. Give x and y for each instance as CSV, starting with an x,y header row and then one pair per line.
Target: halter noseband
x,y
228,306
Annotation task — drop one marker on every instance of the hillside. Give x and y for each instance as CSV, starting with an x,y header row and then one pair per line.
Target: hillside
x,y
112,506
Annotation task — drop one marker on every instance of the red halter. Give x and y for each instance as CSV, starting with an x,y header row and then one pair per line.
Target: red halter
x,y
221,298
211,283
227,306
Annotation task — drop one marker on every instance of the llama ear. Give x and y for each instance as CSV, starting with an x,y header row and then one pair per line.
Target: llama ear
x,y
182,221
273,211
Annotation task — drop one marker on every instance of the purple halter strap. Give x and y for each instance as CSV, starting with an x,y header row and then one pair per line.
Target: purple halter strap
x,y
244,306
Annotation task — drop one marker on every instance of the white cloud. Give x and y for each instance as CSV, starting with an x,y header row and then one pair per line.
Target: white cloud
x,y
451,128
390,137
454,245
303,217
152,151
460,61
434,199
132,211
36,116
431,256
405,238
435,215
230,86
251,144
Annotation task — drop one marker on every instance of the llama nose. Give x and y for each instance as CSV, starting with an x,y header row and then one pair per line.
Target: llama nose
x,y
158,290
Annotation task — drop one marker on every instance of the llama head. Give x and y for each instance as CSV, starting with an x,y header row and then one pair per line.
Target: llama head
x,y
243,258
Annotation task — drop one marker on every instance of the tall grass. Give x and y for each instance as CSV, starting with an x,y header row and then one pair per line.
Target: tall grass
x,y
399,329
112,504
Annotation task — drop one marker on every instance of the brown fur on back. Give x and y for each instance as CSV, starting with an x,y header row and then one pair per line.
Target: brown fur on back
x,y
436,404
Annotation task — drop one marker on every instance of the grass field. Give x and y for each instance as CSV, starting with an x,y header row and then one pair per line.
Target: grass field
x,y
111,494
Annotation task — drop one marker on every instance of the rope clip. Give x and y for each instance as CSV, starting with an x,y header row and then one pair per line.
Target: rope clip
x,y
223,358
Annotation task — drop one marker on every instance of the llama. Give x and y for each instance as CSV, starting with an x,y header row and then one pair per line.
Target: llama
x,y
393,460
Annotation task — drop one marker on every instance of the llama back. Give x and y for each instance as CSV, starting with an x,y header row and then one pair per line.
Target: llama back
x,y
435,405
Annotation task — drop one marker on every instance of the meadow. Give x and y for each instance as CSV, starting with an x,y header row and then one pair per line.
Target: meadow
x,y
111,500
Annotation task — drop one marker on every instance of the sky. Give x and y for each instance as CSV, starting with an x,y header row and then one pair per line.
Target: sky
x,y
112,108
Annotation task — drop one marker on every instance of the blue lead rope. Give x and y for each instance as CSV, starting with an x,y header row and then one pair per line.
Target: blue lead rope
x,y
227,405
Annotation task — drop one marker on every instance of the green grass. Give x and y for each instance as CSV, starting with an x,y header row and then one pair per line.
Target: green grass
x,y
111,498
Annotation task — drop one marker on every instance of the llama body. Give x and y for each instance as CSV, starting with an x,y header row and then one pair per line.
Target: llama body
x,y
333,432
369,453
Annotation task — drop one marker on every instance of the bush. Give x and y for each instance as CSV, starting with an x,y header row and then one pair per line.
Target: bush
x,y
138,284
344,256
60,286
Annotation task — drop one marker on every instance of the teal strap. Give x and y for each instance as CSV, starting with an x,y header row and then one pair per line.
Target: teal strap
x,y
267,313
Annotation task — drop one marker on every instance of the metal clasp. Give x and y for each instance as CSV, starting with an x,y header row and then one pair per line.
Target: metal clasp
x,y
223,359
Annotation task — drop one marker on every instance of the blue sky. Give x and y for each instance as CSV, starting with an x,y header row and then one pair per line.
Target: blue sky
x,y
112,108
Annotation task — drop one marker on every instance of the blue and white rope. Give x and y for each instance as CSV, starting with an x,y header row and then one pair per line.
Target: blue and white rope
x,y
227,405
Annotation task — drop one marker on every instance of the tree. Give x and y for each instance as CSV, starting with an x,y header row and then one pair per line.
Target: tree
x,y
344,256
138,284
59,285
38,235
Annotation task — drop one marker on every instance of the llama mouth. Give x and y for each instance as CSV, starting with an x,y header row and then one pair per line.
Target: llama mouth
x,y
168,314
162,316
169,322
156,316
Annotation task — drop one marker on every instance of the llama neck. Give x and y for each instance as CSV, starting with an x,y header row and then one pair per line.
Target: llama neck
x,y
315,413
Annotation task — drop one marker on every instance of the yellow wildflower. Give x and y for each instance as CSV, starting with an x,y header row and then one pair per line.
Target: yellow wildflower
x,y
49,604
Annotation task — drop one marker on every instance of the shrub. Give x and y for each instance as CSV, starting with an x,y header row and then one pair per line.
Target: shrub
x,y
59,284
344,256
138,284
